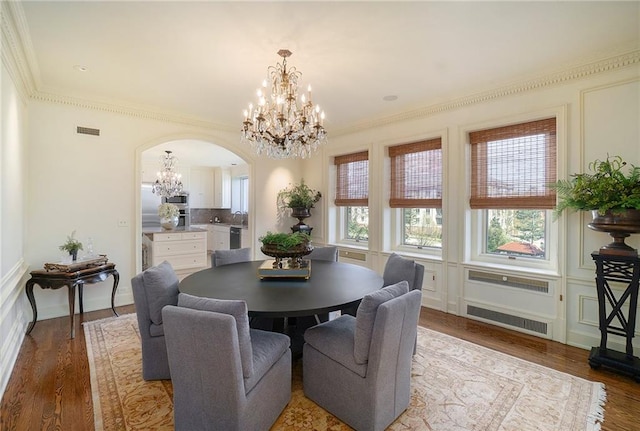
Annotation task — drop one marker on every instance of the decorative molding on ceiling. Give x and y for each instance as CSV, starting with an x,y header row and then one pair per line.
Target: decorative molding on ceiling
x,y
18,55
115,107
624,60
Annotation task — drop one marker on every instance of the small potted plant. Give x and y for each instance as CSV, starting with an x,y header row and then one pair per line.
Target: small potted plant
x,y
168,215
610,193
72,246
300,198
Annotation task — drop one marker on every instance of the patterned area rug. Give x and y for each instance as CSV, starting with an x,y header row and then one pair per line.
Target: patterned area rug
x,y
456,386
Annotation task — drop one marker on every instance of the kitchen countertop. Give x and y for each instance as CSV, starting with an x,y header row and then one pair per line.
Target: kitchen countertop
x,y
152,230
241,226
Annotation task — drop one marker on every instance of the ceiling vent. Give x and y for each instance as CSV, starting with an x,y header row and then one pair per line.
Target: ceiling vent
x,y
88,131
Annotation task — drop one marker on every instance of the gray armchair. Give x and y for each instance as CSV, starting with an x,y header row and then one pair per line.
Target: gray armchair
x,y
227,257
359,369
328,253
399,268
152,290
225,375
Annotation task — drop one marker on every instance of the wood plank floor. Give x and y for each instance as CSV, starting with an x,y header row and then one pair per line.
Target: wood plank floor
x,y
50,386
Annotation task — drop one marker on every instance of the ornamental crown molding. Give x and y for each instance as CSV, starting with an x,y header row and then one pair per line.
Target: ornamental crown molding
x,y
19,58
578,72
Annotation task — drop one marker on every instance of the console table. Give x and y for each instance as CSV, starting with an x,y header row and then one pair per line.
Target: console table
x,y
55,279
625,270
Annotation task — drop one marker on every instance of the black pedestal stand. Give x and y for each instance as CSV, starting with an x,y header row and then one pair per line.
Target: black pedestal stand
x,y
620,269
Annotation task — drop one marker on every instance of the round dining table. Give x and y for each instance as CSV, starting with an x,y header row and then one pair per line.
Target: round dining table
x,y
332,286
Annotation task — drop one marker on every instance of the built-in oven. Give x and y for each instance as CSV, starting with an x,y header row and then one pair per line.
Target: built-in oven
x,y
180,199
184,219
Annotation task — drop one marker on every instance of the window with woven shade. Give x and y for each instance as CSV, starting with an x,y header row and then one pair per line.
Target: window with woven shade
x,y
352,182
511,166
416,175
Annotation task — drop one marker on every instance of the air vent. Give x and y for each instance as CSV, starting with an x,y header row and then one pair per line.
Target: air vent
x,y
88,131
354,255
508,319
510,281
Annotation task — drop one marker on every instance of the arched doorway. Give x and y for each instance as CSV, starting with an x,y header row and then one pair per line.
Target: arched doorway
x,y
216,185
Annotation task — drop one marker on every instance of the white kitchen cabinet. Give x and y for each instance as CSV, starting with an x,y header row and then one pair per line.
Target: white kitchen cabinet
x,y
209,228
185,251
221,237
201,182
222,188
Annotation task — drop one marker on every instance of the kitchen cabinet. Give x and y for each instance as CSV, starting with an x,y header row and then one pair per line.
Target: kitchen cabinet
x,y
220,237
245,239
185,251
201,194
222,188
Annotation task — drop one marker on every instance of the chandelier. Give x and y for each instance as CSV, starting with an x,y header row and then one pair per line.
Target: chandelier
x,y
168,183
279,126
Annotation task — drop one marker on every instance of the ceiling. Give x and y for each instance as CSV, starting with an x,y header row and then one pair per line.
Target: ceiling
x,y
204,60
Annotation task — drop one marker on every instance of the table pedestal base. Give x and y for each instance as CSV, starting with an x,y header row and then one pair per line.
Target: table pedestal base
x,y
615,360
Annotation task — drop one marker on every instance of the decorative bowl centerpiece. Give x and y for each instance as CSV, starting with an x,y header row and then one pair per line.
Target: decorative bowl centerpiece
x,y
293,246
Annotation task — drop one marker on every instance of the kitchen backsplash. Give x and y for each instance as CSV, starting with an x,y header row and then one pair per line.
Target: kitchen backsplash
x,y
204,216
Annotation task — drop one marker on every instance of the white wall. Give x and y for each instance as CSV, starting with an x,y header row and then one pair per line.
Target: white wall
x,y
13,188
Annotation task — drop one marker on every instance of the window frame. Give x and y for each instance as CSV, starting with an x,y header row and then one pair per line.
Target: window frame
x,y
475,224
341,204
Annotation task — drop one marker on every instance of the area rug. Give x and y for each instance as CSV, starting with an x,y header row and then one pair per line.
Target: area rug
x,y
455,386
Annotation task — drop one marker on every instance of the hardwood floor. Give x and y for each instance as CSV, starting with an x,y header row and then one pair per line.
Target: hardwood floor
x,y
50,387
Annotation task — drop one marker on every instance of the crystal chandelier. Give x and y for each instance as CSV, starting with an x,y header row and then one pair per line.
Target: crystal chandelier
x,y
168,183
280,127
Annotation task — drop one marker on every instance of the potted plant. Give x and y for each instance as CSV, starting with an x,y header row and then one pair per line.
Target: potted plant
x,y
72,246
300,198
286,245
611,191
168,215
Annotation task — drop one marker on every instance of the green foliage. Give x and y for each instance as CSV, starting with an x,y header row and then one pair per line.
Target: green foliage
x,y
285,241
495,236
606,187
72,245
358,223
298,196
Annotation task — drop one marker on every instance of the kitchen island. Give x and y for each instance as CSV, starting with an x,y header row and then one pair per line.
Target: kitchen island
x,y
184,249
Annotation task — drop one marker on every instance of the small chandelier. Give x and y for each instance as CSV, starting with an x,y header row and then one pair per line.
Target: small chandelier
x,y
278,126
168,183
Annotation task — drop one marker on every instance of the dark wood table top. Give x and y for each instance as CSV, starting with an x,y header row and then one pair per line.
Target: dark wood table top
x,y
332,286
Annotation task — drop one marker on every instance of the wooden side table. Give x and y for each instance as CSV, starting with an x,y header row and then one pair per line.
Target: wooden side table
x,y
616,269
57,279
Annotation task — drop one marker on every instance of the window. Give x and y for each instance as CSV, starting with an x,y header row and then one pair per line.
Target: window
x,y
352,193
511,167
416,188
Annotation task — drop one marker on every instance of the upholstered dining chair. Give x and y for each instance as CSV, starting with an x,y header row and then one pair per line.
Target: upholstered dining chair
x,y
359,369
328,253
153,289
227,257
225,375
399,268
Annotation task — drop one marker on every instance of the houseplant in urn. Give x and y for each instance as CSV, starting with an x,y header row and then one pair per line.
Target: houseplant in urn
x,y
611,191
280,246
300,198
72,246
168,215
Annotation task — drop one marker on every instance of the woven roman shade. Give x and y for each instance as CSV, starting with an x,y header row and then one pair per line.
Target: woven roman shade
x,y
512,166
352,185
416,175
